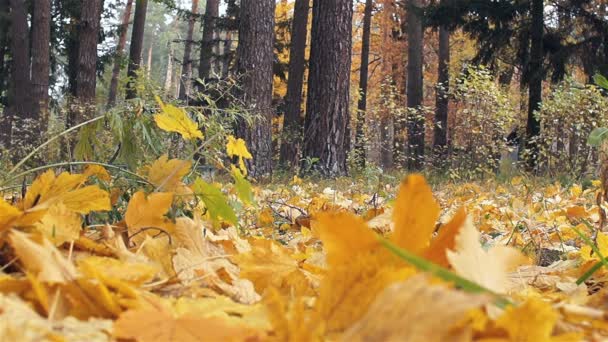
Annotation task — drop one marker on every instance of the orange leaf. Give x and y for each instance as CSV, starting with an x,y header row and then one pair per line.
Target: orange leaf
x,y
145,212
446,240
415,214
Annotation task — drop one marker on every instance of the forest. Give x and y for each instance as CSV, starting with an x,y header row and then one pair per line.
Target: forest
x,y
303,170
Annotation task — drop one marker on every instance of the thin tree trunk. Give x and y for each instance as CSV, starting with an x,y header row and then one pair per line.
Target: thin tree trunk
x,y
293,121
255,54
327,122
137,45
442,100
86,79
187,62
362,105
149,61
536,78
227,55
415,123
41,36
169,73
120,49
18,130
211,14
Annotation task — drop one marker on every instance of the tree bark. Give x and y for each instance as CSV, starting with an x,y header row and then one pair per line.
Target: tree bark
x,y
41,36
227,55
255,54
293,121
415,123
86,79
362,105
18,130
535,77
327,122
442,100
4,47
187,62
211,14
120,48
137,45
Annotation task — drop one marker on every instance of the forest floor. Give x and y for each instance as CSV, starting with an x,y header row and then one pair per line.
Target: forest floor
x,y
302,261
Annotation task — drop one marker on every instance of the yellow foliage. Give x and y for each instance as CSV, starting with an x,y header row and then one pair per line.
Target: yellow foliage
x,y
175,119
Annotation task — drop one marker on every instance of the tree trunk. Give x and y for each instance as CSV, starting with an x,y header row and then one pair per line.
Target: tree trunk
x,y
169,73
442,100
120,48
149,61
255,54
362,105
18,130
211,14
41,36
137,45
86,79
293,121
227,55
187,62
415,123
327,122
4,46
535,77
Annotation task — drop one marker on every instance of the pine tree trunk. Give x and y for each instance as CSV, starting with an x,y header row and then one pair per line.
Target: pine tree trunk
x,y
187,62
227,55
415,123
442,100
137,46
19,127
86,79
362,105
211,14
4,46
255,55
327,122
120,48
535,77
293,121
41,36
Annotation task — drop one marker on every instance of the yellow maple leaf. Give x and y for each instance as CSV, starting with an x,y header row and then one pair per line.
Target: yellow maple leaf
x,y
446,240
414,310
8,214
148,212
166,174
487,268
238,148
174,119
135,273
415,214
97,170
60,225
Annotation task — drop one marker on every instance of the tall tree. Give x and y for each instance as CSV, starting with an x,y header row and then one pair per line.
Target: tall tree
x,y
120,48
4,47
535,75
415,123
18,130
327,121
362,105
137,46
187,62
254,66
441,97
86,79
293,120
41,36
209,28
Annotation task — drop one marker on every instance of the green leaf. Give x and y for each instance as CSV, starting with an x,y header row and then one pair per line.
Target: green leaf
x,y
242,186
215,201
597,136
443,273
601,81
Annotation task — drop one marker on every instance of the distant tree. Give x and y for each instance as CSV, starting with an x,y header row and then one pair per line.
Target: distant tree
x,y
363,80
137,45
293,120
209,30
327,121
41,37
415,123
441,97
186,79
254,68
120,48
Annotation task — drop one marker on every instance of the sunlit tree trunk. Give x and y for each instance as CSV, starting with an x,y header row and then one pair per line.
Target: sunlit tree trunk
x,y
255,54
293,121
137,45
120,48
326,126
186,78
